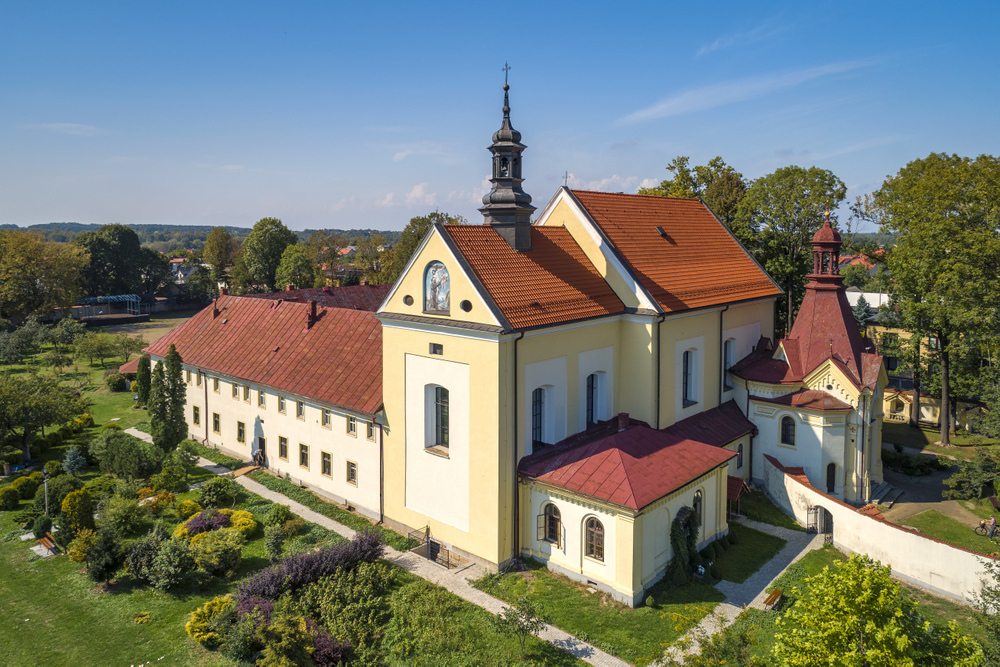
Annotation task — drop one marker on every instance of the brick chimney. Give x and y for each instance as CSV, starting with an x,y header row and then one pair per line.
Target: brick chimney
x,y
223,291
289,287
364,281
623,421
312,314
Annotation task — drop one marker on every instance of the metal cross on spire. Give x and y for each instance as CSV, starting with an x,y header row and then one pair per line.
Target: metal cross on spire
x,y
506,68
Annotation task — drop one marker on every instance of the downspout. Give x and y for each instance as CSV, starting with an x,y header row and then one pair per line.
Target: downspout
x,y
722,355
515,534
861,441
204,384
658,321
381,477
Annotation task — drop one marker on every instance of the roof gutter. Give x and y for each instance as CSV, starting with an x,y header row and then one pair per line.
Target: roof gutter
x,y
658,321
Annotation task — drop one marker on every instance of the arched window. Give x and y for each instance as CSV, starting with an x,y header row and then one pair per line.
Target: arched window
x,y
728,359
438,422
788,431
689,387
697,507
437,289
504,167
595,539
553,524
831,477
739,456
537,418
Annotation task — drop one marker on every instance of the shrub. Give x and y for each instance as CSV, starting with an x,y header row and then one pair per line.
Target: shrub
x,y
244,522
54,468
26,517
104,556
172,563
207,521
74,461
714,571
733,537
202,625
242,643
12,456
25,486
55,438
115,382
187,509
278,515
59,488
287,642
142,554
122,516
172,478
295,572
218,491
679,577
160,502
274,540
327,651
421,625
125,456
722,545
696,559
219,551
101,487
37,476
42,525
78,511
293,527
85,420
81,545
9,498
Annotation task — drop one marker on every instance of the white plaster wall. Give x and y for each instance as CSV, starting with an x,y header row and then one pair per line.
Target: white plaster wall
x,y
569,554
697,344
436,486
656,550
267,422
941,567
601,360
746,337
552,375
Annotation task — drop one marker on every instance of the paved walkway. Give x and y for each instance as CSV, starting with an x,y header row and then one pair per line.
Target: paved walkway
x,y
752,592
455,581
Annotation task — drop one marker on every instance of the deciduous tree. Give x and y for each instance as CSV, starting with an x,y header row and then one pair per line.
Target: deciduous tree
x,y
413,234
718,184
295,269
115,260
519,620
220,252
29,403
262,254
37,276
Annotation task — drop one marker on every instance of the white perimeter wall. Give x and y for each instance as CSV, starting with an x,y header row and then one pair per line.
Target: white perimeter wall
x,y
940,567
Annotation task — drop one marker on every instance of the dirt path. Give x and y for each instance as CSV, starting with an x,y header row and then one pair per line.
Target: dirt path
x,y
926,493
157,327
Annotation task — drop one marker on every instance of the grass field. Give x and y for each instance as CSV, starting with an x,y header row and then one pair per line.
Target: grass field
x,y
157,327
756,506
946,529
964,443
749,555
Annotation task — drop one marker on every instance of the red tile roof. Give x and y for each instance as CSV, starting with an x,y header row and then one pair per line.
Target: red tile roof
x,y
130,366
735,486
698,263
355,297
719,426
551,283
630,468
337,361
809,399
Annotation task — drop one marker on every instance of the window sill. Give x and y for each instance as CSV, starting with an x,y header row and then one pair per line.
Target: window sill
x,y
354,484
438,451
687,404
786,445
594,560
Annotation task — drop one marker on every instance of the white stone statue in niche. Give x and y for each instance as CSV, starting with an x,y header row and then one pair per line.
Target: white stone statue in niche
x,y
437,289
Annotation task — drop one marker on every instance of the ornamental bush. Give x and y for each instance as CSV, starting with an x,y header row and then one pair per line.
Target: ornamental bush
x,y
187,509
172,563
104,556
122,516
78,512
244,522
274,540
85,420
26,487
58,490
278,515
115,382
172,478
218,492
202,626
141,555
207,521
101,487
42,525
219,552
54,468
733,538
81,544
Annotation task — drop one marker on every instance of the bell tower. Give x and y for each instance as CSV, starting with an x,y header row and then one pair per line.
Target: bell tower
x,y
826,244
507,208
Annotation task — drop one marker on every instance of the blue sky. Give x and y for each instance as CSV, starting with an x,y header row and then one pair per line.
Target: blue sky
x,y
364,115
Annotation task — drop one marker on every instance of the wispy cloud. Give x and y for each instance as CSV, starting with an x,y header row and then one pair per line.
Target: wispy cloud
x,y
740,90
765,30
846,150
340,205
613,183
421,149
71,129
387,201
419,196
473,196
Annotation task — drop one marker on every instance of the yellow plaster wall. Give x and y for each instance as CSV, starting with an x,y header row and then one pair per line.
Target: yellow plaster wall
x,y
412,284
637,379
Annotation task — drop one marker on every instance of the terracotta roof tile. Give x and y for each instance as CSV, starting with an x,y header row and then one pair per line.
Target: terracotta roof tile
x,y
355,297
735,486
809,399
337,361
630,468
130,366
551,283
698,263
718,427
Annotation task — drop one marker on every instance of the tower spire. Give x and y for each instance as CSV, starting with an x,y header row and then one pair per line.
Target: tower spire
x,y
507,208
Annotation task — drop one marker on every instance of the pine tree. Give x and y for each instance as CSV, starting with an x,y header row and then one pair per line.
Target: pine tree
x,y
74,461
862,311
157,404
142,377
176,393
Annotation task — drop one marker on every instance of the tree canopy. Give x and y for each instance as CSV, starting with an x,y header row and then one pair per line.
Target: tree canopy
x,y
167,398
221,250
116,260
721,186
262,253
413,234
31,402
38,276
295,269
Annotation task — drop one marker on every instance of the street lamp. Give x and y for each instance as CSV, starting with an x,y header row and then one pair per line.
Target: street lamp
x,y
45,478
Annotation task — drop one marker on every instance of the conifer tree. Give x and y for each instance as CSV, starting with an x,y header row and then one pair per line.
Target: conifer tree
x,y
167,397
142,377
74,461
157,404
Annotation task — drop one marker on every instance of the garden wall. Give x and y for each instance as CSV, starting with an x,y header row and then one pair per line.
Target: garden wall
x,y
915,558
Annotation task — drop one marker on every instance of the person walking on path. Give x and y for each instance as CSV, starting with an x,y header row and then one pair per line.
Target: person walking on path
x,y
993,525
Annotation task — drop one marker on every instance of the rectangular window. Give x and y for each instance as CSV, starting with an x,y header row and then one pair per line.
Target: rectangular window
x,y
537,405
282,448
260,398
688,389
326,464
352,425
300,410
326,418
591,398
303,455
371,430
246,393
188,371
215,385
196,415
216,423
236,391
241,432
437,348
352,473
728,351
198,381
441,425
934,342
281,404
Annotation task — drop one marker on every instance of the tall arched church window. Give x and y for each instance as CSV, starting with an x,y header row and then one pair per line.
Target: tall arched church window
x,y
689,387
595,539
788,431
728,359
441,418
537,417
550,525
437,289
592,387
739,456
697,507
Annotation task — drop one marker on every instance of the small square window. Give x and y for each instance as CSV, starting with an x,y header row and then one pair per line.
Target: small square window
x,y
352,473
352,425
371,430
260,398
281,404
215,385
241,432
282,448
188,372
300,409
216,423
303,455
327,464
437,348
196,415
246,393
236,391
326,418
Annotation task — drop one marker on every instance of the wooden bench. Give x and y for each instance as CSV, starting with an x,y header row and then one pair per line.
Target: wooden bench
x,y
772,600
49,542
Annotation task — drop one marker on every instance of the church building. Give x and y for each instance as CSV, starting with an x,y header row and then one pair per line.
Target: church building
x,y
564,388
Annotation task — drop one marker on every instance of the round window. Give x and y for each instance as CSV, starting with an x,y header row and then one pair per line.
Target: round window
x,y
408,300
466,305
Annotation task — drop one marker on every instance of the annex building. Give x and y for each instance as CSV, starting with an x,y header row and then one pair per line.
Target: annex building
x,y
562,388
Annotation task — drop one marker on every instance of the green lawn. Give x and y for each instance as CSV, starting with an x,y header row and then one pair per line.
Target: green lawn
x,y
964,443
637,635
749,555
756,506
215,456
946,529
